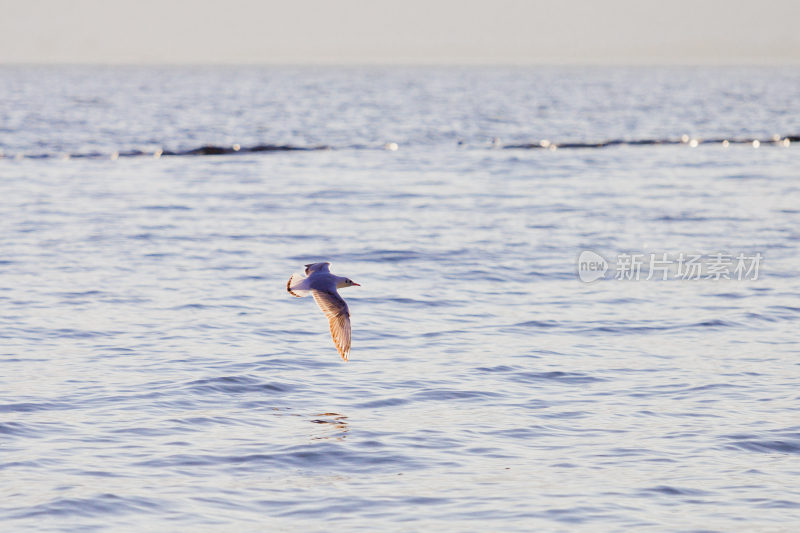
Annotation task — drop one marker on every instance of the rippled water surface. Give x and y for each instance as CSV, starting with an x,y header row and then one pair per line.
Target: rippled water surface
x,y
158,377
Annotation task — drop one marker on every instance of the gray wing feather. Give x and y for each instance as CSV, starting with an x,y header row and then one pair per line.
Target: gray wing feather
x,y
317,267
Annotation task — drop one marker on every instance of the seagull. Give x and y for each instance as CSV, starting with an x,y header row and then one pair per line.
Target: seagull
x,y
322,285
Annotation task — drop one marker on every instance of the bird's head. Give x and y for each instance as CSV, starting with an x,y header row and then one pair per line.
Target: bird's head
x,y
346,282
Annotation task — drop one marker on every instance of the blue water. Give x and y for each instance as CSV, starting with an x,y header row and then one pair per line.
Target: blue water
x,y
158,377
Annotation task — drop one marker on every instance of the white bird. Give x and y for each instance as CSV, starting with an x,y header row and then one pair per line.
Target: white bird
x,y
323,287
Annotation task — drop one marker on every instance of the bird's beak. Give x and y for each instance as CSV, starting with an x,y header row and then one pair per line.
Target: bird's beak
x,y
356,284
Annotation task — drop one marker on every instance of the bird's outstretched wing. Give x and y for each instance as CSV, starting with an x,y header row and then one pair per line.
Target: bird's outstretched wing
x,y
335,308
317,267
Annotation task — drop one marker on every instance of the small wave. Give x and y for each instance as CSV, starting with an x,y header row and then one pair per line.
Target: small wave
x,y
781,442
536,324
16,429
762,317
102,504
385,402
499,368
166,208
453,394
563,377
712,386
733,295
683,390
331,455
675,491
388,256
235,385
195,306
524,433
30,464
413,302
517,374
27,407
623,329
788,308
765,503
78,294
70,333
680,218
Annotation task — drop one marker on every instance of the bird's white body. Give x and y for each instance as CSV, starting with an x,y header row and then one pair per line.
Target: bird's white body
x,y
323,286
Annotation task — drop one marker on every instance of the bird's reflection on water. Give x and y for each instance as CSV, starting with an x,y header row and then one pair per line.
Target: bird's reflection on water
x,y
332,425
335,423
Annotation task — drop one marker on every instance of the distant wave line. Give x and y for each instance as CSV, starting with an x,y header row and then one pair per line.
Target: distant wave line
x,y
211,149
775,140
207,149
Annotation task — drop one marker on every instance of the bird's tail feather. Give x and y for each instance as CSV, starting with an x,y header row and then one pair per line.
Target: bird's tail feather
x,y
297,286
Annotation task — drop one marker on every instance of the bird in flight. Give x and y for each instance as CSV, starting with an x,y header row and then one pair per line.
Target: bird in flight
x,y
323,286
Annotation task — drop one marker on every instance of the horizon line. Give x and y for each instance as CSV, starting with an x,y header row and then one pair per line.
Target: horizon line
x,y
411,63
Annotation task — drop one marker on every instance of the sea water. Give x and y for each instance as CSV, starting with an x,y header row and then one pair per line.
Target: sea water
x,y
156,375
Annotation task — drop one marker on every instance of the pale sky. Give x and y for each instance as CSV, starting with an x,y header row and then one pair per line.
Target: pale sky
x,y
404,31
